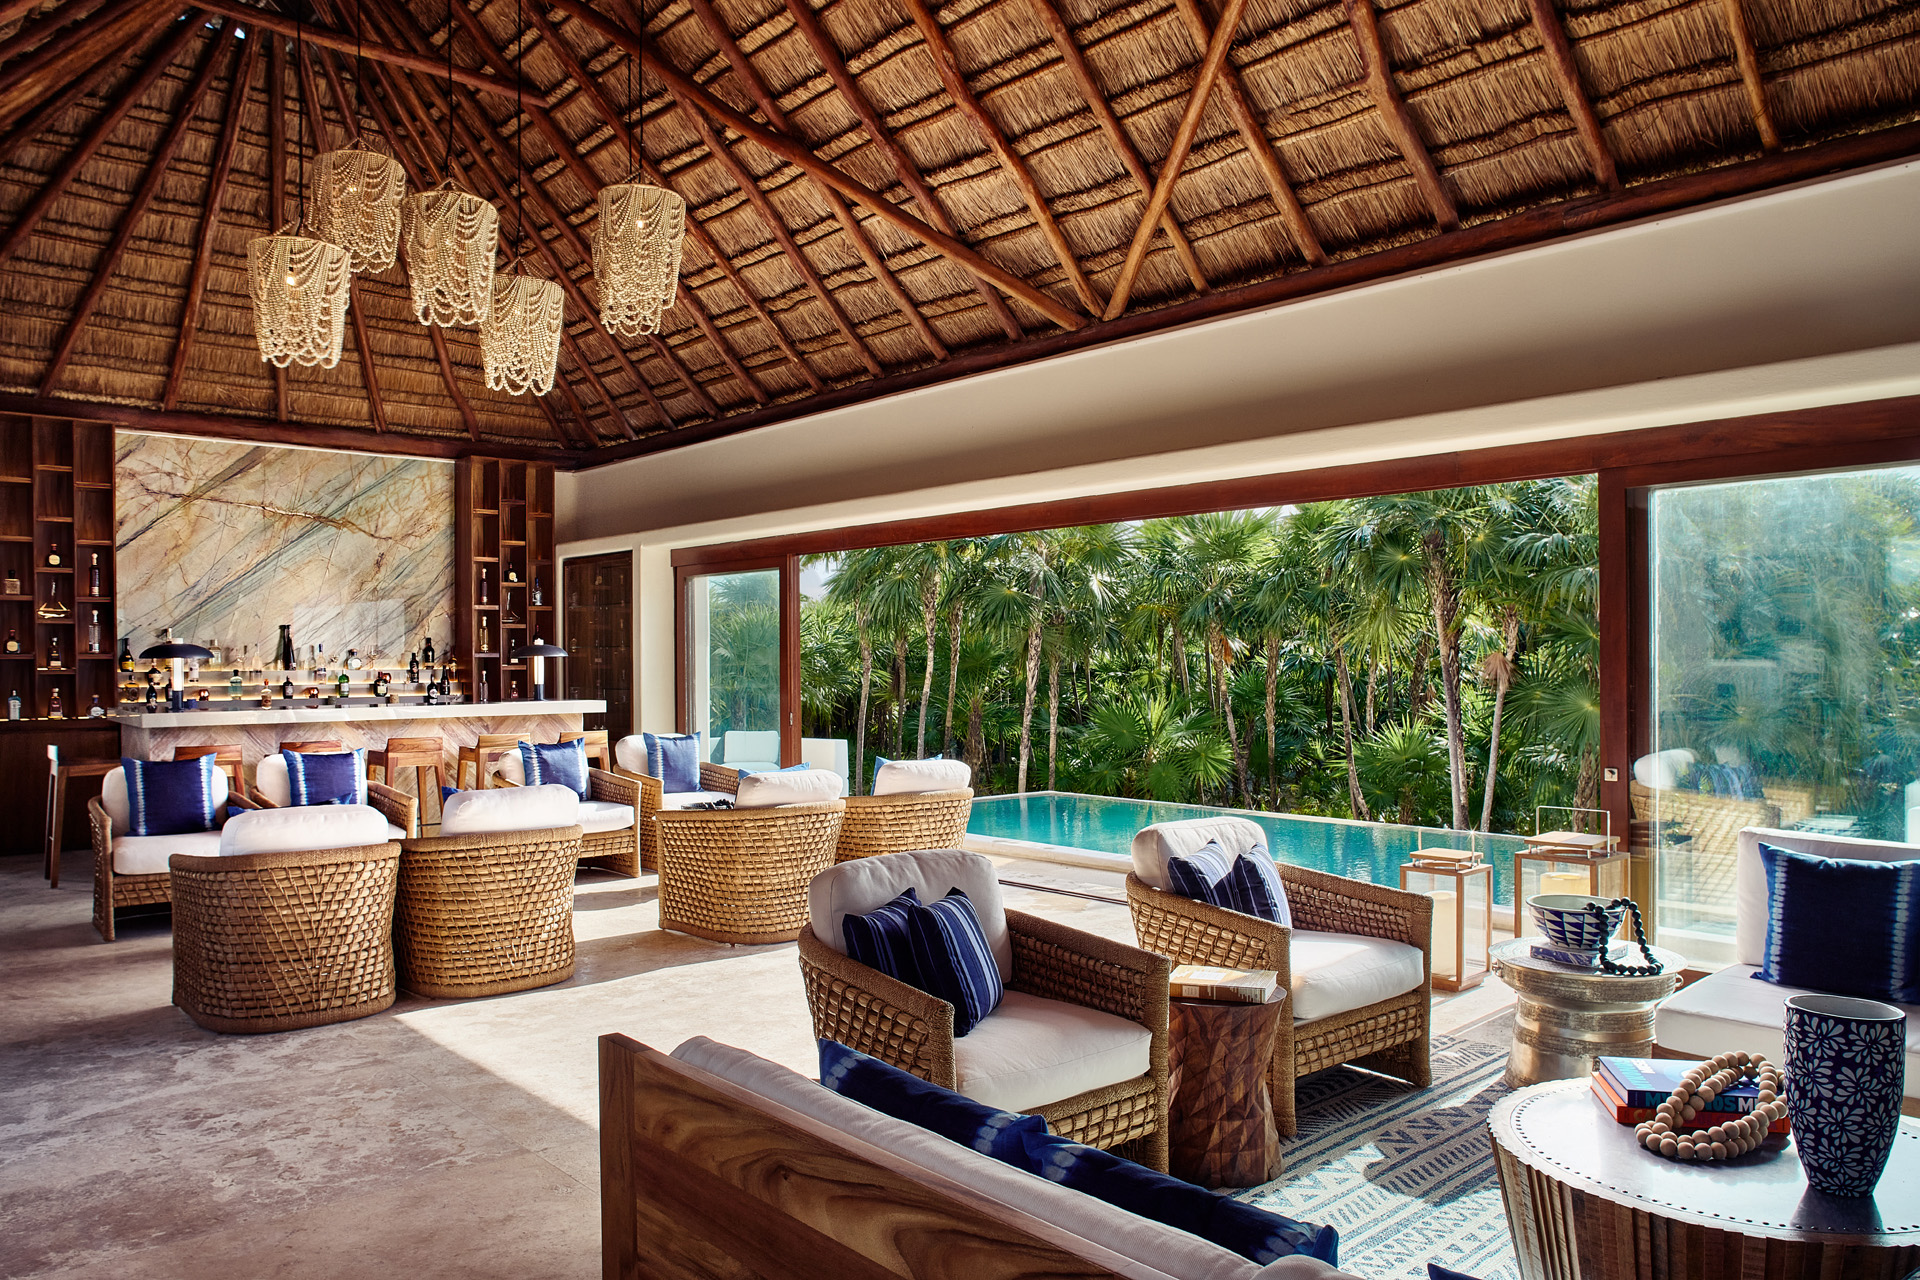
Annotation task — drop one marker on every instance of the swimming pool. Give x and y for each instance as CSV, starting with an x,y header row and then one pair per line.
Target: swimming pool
x,y
1369,851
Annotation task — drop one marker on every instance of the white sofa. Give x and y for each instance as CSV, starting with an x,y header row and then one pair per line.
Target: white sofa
x,y
1733,1010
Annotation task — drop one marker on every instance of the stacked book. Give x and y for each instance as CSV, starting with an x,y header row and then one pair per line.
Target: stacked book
x,y
1631,1088
1214,982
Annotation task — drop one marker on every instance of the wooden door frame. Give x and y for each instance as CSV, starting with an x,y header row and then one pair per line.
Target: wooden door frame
x,y
633,644
689,564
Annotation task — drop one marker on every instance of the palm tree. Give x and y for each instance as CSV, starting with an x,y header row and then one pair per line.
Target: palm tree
x,y
1221,550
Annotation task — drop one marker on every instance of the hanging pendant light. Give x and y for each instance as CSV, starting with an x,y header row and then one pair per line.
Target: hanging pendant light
x,y
520,339
636,246
448,237
356,204
299,286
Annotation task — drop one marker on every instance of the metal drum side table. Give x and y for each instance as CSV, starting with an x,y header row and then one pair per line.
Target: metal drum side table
x,y
1584,1202
1566,1017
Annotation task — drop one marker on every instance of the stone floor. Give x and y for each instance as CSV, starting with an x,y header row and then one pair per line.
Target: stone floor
x,y
440,1138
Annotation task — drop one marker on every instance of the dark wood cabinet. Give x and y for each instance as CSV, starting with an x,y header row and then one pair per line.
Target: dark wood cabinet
x,y
504,573
599,636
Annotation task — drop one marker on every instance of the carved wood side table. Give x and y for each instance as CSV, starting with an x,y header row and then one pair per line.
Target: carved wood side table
x,y
1220,1112
1566,1017
1584,1202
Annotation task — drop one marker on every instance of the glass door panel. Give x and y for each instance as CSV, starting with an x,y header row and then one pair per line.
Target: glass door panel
x,y
599,643
733,666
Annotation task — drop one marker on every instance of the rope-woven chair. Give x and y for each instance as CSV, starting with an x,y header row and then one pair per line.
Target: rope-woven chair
x,y
713,777
618,850
741,875
113,891
885,1018
280,941
395,805
1391,1036
1712,825
910,820
485,913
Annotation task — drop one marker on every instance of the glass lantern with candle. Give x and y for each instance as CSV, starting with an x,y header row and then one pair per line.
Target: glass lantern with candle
x,y
1460,882
1572,850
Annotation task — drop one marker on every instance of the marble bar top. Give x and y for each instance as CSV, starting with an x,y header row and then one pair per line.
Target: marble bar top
x,y
354,713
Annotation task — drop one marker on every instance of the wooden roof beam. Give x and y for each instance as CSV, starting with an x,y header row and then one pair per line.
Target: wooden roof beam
x,y
237,93
356,307
103,126
745,72
1747,54
62,43
961,92
1566,74
183,116
830,60
429,65
1259,145
1076,64
1394,114
439,335
33,124
1176,156
33,34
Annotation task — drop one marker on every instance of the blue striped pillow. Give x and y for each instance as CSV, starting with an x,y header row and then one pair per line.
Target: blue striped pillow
x,y
1197,875
562,763
170,797
332,777
888,1089
879,939
1254,888
950,950
674,758
1842,925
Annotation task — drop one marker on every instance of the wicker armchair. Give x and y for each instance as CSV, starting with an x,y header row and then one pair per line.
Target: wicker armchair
x,y
114,890
741,875
616,850
1390,1036
483,912
270,791
866,1010
895,823
280,941
716,778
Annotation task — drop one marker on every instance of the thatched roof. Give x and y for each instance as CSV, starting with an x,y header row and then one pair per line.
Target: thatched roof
x,y
881,193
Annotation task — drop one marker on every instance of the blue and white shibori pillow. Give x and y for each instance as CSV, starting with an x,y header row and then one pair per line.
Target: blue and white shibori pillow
x,y
1842,925
331,777
674,758
563,763
891,1091
171,797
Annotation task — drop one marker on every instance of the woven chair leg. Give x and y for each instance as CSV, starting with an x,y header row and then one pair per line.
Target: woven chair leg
x,y
1409,1061
1286,1116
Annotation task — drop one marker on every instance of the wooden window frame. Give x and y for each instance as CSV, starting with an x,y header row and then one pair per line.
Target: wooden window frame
x,y
694,563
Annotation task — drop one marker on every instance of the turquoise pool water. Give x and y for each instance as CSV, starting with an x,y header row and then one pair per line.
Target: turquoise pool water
x,y
1369,851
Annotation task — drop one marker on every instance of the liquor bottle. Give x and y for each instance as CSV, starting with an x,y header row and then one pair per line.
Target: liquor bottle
x,y
513,689
538,598
426,651
485,586
344,682
480,691
13,641
447,678
93,633
93,576
96,711
53,706
426,700
286,688
13,705
53,555
213,653
413,667
353,659
12,585
53,653
485,646
155,677
513,575
52,608
235,685
153,692
380,684
508,613
283,650
126,656
320,664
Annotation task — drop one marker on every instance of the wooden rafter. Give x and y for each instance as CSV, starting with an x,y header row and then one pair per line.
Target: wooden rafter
x,y
1176,156
32,124
75,160
1394,114
32,34
356,305
210,220
62,43
931,210
1566,74
1747,54
1259,145
749,76
439,336
1096,99
184,115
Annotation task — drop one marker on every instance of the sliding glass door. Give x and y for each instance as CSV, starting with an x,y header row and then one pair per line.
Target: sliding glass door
x,y
733,688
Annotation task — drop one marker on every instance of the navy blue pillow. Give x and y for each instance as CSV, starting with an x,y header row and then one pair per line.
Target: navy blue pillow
x,y
1842,925
333,777
1249,1231
674,758
556,763
1253,888
1198,875
880,940
1437,1272
170,797
904,1096
955,963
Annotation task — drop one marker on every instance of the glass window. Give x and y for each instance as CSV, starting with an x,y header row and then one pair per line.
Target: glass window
x,y
733,666
1785,615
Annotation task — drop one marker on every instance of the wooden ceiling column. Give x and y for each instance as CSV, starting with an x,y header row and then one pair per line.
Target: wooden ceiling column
x,y
1746,55
1566,75
1394,114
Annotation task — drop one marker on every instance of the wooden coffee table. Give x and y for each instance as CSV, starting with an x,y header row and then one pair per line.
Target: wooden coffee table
x,y
1584,1202
1220,1112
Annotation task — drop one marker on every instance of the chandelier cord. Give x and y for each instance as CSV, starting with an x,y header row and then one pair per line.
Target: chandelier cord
x,y
359,73
519,126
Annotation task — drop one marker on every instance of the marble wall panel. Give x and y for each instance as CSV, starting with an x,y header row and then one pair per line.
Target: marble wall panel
x,y
225,542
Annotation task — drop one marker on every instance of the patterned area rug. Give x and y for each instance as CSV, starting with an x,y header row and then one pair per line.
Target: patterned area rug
x,y
1406,1175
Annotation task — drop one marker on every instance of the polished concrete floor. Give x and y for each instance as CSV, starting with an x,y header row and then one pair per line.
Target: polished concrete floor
x,y
440,1138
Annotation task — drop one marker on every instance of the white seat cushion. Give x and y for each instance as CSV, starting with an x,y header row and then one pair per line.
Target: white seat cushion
x,y
270,780
509,809
1336,972
1031,1051
395,833
905,777
1732,1010
147,855
1153,845
604,815
857,887
302,827
688,799
788,786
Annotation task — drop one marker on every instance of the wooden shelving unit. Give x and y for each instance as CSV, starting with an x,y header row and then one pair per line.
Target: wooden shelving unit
x,y
56,499
505,592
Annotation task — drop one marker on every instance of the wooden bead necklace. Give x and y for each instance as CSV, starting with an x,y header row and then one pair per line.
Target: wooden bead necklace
x,y
1736,1136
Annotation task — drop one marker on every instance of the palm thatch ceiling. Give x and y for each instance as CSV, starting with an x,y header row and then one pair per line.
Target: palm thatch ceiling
x,y
881,193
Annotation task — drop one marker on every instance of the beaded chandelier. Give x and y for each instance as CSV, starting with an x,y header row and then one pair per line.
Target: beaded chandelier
x,y
520,338
299,286
357,195
636,255
448,237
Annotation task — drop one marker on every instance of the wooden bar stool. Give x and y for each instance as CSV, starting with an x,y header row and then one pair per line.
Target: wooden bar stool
x,y
597,748
226,757
422,755
481,756
57,775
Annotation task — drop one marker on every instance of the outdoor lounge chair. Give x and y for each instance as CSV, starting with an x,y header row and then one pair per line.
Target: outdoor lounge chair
x,y
917,804
271,790
717,782
609,815
740,875
132,871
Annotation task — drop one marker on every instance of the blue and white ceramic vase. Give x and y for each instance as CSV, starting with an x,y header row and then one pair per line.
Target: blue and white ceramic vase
x,y
1845,1071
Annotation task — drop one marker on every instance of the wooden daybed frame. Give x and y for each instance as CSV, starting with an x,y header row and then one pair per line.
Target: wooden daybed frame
x,y
703,1180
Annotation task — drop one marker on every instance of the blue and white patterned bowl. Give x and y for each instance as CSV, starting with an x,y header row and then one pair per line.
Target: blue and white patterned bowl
x,y
1565,920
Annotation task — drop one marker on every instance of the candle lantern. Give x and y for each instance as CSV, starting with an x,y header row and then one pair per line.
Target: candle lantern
x,y
1460,883
176,652
539,653
1572,853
